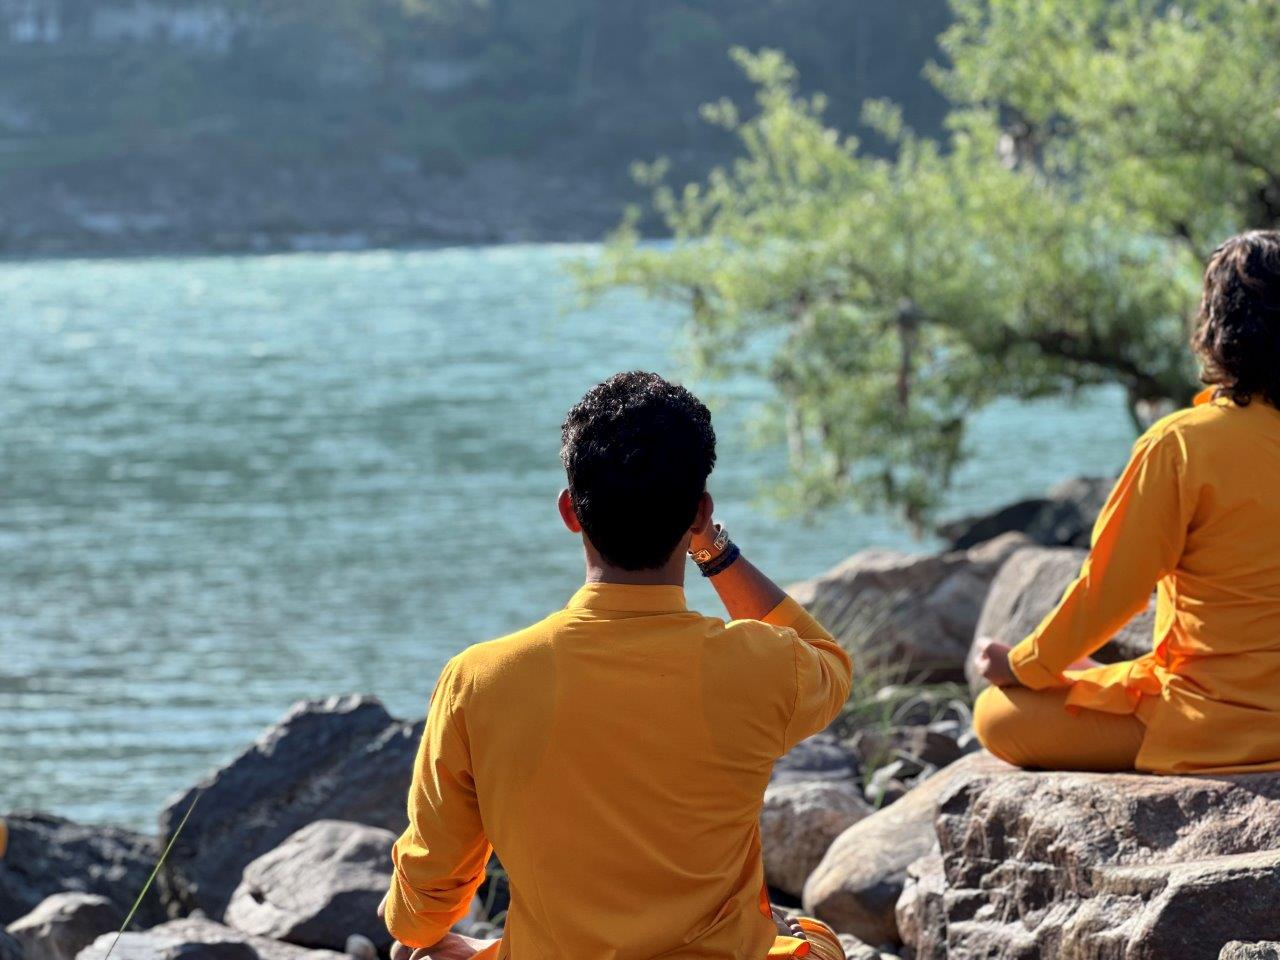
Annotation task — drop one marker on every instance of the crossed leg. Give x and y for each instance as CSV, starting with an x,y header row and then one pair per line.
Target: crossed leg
x,y
1032,728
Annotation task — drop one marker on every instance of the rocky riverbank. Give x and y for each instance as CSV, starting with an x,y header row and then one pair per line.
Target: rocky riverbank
x,y
892,825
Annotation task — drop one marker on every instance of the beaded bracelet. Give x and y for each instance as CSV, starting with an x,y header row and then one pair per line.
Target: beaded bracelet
x,y
722,562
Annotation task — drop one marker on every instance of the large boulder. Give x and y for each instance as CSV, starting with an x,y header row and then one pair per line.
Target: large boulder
x,y
908,614
1085,866
47,855
797,824
319,887
1063,518
856,886
64,924
344,758
1027,588
195,938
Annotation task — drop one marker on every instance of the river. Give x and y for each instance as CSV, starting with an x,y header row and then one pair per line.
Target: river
x,y
228,483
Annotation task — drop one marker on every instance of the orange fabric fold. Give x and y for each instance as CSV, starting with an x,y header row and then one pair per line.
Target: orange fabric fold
x,y
1116,687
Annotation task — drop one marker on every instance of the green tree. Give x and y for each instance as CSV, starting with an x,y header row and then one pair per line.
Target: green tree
x,y
1170,111
1051,240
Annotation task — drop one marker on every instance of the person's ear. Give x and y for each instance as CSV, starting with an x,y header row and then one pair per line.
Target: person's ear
x,y
702,516
570,516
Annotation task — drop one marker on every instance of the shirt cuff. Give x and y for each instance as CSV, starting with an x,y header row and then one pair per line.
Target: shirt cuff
x,y
789,613
1031,673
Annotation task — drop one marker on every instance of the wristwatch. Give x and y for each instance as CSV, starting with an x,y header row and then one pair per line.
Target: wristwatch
x,y
717,546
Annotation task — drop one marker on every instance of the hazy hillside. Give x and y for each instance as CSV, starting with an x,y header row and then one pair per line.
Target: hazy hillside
x,y
229,124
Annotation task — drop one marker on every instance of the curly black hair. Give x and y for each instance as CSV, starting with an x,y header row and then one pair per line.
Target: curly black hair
x,y
638,451
1237,333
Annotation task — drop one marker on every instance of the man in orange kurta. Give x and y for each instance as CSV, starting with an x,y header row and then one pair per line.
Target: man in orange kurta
x,y
615,754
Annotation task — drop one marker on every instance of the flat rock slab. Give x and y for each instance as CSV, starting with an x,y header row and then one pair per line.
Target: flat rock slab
x,y
193,938
1085,866
320,886
344,758
47,855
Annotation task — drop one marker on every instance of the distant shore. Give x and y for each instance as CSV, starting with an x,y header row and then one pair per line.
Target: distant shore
x,y
51,215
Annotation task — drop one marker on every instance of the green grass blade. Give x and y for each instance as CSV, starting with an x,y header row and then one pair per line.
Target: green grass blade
x,y
147,886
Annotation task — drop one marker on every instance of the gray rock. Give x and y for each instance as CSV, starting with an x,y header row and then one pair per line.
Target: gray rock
x,y
362,948
1027,588
856,887
908,615
1237,950
820,757
1097,866
47,855
797,824
64,924
344,758
320,886
887,784
210,951
924,746
1064,518
855,949
195,938
920,912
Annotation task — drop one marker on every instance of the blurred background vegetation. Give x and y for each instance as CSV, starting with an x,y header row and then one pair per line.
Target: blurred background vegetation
x,y
439,84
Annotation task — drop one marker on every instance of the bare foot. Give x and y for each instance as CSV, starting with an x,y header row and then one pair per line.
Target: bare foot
x,y
788,926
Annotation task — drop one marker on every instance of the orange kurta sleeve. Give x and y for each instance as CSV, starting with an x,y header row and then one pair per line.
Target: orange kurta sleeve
x,y
824,671
1138,539
440,859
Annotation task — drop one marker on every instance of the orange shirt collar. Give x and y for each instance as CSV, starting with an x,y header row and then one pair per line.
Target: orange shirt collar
x,y
628,598
1204,396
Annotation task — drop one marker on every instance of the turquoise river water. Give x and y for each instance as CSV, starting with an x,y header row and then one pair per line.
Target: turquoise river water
x,y
230,483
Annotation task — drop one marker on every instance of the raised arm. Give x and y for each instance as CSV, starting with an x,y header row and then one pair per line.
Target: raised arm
x,y
440,859
823,671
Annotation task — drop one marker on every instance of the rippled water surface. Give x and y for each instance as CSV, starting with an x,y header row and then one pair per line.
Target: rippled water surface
x,y
230,483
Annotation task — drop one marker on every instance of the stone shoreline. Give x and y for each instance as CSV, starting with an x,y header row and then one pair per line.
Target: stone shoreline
x,y
892,826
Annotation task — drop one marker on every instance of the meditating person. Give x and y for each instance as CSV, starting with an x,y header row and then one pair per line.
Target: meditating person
x,y
1196,516
616,753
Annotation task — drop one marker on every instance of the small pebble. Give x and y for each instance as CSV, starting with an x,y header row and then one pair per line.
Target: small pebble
x,y
361,947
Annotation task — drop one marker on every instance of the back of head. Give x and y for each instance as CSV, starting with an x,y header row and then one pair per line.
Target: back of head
x,y
1238,328
638,451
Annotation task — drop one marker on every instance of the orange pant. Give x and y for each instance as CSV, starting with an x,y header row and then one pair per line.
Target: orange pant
x,y
822,944
1031,728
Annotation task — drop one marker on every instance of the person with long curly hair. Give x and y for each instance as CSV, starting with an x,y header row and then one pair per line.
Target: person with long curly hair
x,y
1196,516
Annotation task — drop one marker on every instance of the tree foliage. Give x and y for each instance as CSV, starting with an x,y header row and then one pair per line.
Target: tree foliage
x,y
1050,240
